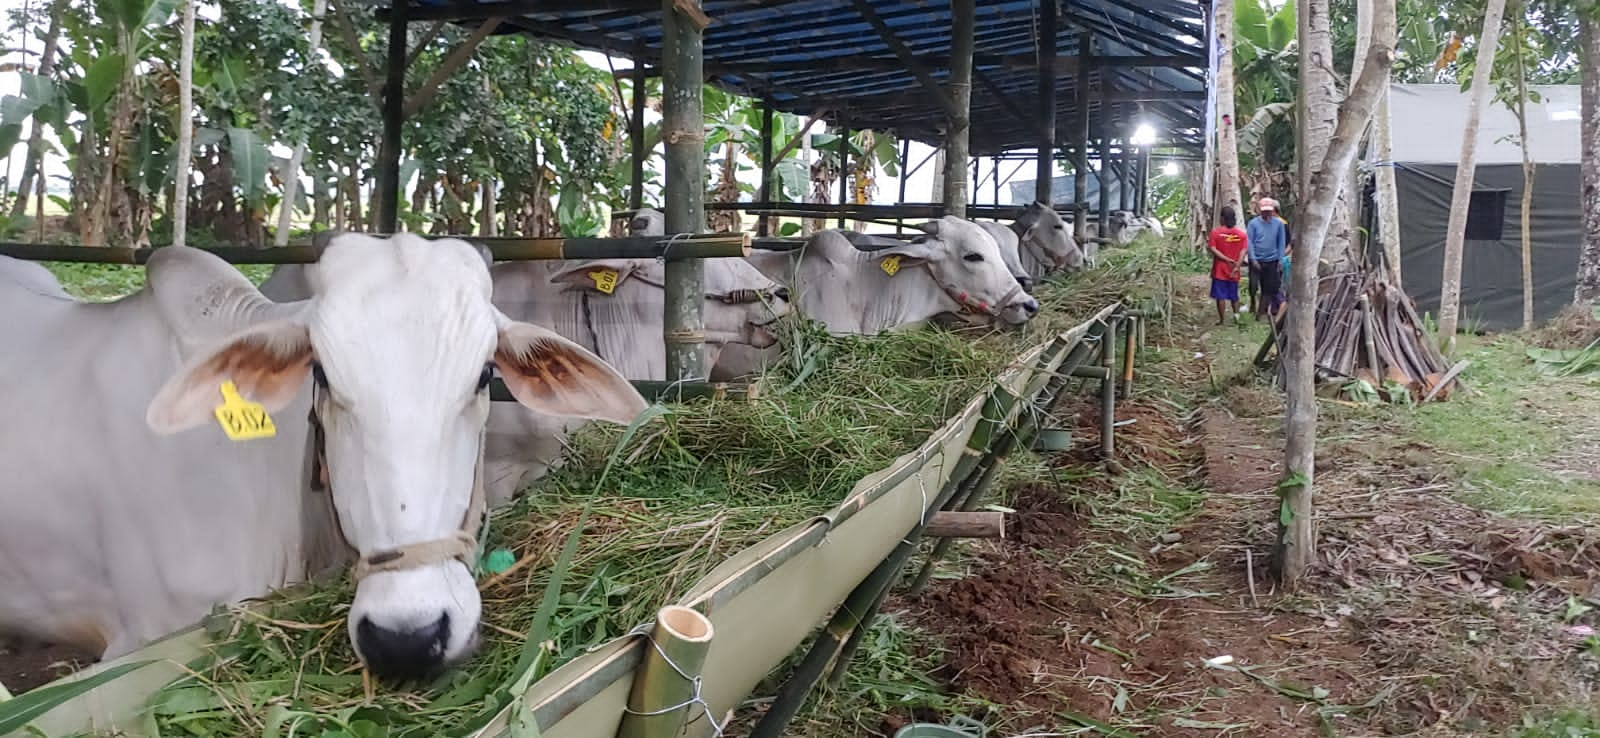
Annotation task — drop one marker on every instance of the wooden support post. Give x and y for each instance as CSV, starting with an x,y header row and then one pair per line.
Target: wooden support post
x,y
667,681
966,525
994,161
1108,390
1080,159
1103,177
959,118
768,166
636,137
1125,178
389,146
844,170
905,159
1140,204
1046,164
683,131
977,181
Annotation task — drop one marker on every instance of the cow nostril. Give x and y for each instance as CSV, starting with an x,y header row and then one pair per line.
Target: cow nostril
x,y
1032,306
403,654
782,293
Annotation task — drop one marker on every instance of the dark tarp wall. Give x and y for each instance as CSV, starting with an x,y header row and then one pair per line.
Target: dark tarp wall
x,y
1491,270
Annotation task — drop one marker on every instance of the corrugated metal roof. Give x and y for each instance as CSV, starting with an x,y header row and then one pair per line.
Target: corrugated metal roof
x,y
807,55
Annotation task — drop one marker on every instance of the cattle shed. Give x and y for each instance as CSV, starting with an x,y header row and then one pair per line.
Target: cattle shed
x,y
1427,149
1068,78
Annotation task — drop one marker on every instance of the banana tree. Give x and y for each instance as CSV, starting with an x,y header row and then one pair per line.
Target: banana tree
x,y
1266,84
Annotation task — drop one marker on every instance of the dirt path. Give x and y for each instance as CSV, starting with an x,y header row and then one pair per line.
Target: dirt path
x,y
1142,604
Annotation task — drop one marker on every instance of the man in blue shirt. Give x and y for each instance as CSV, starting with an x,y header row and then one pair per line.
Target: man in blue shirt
x,y
1269,240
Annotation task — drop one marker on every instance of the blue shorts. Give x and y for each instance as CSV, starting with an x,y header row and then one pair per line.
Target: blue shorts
x,y
1222,289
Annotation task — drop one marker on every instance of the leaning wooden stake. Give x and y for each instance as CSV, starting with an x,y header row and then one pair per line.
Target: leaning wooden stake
x,y
667,683
1108,389
1130,346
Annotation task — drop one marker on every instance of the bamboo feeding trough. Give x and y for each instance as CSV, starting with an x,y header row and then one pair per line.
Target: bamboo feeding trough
x,y
1368,330
713,643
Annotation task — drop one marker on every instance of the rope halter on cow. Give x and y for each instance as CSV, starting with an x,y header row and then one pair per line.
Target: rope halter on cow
x,y
969,305
462,545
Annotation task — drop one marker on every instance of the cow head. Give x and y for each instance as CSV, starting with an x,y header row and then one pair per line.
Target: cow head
x,y
400,341
1042,229
741,303
965,262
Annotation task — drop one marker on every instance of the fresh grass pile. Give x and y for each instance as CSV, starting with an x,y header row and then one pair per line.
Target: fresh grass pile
x,y
689,489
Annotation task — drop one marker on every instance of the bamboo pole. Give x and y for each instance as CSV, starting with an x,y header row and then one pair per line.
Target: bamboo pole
x,y
662,391
959,116
1369,329
1080,157
683,131
180,190
1045,165
636,138
1108,389
698,246
1130,341
667,684
768,166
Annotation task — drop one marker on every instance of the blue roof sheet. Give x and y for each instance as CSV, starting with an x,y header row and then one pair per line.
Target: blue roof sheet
x,y
809,55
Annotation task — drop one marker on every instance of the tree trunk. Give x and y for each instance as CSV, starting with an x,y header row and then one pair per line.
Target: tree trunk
x,y
1387,193
1319,110
1227,132
180,191
291,181
1296,544
319,201
1461,196
807,225
1527,177
35,156
1588,288
486,214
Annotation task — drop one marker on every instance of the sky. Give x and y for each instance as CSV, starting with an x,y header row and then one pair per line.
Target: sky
x,y
919,187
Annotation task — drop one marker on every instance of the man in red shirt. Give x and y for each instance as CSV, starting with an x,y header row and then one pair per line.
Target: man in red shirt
x,y
1227,245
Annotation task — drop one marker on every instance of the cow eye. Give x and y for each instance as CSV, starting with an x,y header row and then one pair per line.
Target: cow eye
x,y
483,379
318,376
973,257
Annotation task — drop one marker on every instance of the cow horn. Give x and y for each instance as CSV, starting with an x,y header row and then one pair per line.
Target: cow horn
x,y
931,228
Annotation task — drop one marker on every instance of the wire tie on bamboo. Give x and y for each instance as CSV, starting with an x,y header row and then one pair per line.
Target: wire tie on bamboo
x,y
696,681
666,251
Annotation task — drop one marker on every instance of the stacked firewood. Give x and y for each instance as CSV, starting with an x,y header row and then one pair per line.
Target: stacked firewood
x,y
1367,329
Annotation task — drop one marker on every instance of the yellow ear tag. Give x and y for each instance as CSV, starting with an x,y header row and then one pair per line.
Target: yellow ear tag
x,y
605,280
241,419
890,265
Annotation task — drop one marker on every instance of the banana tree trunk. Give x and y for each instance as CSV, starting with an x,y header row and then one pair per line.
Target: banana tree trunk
x,y
291,182
35,155
1461,196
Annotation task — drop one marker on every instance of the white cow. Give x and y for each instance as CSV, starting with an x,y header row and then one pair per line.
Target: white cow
x,y
115,535
956,267
1036,244
615,308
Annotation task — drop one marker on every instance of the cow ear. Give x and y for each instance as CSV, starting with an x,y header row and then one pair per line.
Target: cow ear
x,y
554,376
267,363
910,254
592,274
